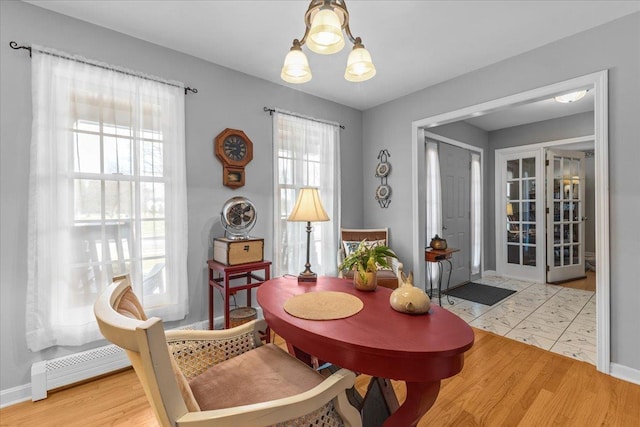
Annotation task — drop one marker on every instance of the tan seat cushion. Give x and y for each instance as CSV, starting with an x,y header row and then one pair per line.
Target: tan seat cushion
x,y
386,278
263,374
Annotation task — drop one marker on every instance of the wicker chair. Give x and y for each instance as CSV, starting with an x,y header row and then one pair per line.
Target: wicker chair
x,y
350,237
221,378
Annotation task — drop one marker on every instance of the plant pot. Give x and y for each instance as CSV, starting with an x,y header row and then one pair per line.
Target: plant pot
x,y
370,283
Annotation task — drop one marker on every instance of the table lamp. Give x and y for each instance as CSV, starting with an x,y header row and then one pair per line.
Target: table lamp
x,y
308,208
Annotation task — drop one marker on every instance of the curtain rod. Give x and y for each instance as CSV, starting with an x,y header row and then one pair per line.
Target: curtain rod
x,y
272,110
15,46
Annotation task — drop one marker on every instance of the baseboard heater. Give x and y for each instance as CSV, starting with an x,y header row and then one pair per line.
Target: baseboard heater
x,y
62,371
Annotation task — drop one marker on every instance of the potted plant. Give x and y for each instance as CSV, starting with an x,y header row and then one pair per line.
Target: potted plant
x,y
365,261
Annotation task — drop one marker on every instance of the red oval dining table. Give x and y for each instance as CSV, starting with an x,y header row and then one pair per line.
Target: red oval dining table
x,y
420,350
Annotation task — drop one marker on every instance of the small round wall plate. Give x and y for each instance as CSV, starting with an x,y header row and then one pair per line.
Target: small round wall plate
x,y
383,169
383,192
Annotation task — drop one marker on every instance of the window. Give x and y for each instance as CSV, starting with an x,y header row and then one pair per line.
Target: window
x,y
108,194
306,153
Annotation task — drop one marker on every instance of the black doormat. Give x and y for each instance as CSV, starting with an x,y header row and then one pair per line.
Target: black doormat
x,y
483,294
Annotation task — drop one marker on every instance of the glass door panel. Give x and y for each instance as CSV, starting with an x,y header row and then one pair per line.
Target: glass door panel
x,y
565,218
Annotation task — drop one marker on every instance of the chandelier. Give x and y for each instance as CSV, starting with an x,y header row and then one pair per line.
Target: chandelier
x,y
325,20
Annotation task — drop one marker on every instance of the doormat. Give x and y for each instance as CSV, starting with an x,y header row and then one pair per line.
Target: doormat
x,y
483,294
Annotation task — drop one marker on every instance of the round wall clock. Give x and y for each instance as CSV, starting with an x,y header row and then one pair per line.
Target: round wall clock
x,y
235,150
238,216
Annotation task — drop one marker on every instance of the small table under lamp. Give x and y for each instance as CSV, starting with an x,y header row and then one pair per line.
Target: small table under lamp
x,y
308,208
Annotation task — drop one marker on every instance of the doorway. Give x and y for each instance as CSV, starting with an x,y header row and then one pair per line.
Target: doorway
x,y
598,82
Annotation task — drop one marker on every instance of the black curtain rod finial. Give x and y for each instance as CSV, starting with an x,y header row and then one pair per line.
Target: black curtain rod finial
x,y
14,45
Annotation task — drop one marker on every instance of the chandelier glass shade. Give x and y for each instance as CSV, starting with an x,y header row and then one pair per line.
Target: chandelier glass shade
x,y
325,21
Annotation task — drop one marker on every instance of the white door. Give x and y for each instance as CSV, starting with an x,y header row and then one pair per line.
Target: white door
x,y
565,215
519,213
455,172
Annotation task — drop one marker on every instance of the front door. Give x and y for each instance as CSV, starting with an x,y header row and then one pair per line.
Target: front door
x,y
565,215
455,166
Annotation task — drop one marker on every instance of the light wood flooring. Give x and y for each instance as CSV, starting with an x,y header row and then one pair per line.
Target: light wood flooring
x,y
586,284
503,383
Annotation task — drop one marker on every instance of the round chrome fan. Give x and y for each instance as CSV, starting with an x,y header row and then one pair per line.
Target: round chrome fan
x,y
238,216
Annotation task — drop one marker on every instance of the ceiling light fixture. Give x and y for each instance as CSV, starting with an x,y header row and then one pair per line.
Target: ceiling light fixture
x,y
571,97
325,20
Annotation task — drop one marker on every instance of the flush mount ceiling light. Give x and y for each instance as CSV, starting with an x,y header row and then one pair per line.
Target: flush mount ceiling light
x,y
325,20
571,97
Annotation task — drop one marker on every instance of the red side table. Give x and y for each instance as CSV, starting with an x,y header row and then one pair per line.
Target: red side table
x,y
231,272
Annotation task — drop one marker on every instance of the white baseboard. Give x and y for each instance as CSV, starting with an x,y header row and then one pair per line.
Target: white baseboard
x,y
14,395
489,273
625,373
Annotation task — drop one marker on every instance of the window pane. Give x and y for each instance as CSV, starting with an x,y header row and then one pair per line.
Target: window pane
x,y
152,199
529,211
513,254
87,199
118,156
118,199
529,167
152,158
513,190
528,189
529,234
513,169
86,155
153,239
529,255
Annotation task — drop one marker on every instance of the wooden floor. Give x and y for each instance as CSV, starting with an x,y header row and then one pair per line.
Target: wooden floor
x,y
586,284
503,383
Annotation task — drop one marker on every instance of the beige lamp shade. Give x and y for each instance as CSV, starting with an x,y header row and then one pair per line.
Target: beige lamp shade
x,y
296,67
325,34
359,65
509,209
308,206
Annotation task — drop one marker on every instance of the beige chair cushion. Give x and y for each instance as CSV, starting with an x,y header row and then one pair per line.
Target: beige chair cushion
x,y
263,374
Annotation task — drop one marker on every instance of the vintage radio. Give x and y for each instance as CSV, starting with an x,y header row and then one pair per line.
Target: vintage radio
x,y
234,252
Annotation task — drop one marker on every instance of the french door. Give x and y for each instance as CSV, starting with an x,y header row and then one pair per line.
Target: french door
x,y
565,215
519,210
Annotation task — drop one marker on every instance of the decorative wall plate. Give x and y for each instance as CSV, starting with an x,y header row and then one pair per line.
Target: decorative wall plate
x,y
383,169
383,192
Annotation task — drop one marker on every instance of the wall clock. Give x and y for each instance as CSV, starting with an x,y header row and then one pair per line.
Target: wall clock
x,y
235,150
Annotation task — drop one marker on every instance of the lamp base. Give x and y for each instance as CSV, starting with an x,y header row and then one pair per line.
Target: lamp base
x,y
307,277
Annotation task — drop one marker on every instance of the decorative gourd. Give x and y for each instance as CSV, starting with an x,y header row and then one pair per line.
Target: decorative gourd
x,y
409,299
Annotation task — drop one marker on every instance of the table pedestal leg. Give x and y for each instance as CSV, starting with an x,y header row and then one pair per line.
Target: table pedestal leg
x,y
420,397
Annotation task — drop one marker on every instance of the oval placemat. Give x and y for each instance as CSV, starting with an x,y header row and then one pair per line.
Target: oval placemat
x,y
323,305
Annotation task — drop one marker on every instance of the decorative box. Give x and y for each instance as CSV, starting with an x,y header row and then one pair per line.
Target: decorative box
x,y
234,252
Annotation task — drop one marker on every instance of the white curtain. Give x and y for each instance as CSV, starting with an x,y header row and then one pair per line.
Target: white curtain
x,y
107,195
476,213
433,199
306,153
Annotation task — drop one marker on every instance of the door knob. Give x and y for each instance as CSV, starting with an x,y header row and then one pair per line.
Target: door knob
x,y
584,218
444,227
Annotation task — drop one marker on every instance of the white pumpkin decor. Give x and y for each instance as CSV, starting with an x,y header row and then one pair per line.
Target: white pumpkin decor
x,y
409,299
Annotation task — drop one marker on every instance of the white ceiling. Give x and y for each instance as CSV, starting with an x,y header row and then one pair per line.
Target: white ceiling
x,y
414,44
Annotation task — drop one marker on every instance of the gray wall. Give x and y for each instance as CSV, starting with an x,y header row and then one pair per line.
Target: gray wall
x,y
226,98
614,46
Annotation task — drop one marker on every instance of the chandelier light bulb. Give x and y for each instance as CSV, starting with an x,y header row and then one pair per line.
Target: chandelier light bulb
x,y
296,66
359,65
325,35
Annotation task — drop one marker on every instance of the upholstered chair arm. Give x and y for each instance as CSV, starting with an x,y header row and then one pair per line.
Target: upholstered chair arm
x,y
339,259
196,351
395,265
315,404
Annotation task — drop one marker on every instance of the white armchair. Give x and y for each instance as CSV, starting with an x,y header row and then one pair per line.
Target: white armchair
x,y
221,378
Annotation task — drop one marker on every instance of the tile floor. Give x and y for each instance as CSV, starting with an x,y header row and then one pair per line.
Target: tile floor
x,y
562,320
